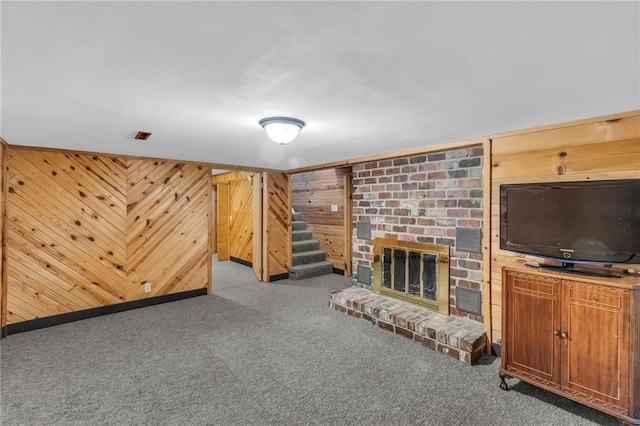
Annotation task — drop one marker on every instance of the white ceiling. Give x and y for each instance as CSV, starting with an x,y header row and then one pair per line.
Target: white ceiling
x,y
367,77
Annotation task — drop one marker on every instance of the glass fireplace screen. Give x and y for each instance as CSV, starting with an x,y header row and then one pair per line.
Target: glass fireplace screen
x,y
416,272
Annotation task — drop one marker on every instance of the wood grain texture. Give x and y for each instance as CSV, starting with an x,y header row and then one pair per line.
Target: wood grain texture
x,y
241,219
231,176
277,197
214,221
222,190
596,319
236,229
634,367
592,150
486,243
313,194
66,233
348,220
256,263
167,227
582,343
85,230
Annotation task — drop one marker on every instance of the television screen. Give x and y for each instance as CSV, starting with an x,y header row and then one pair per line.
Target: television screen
x,y
590,221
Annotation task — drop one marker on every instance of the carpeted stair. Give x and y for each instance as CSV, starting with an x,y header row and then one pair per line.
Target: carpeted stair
x,y
307,258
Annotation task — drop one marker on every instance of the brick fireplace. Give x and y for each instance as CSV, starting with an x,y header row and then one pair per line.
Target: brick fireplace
x,y
414,272
407,204
432,198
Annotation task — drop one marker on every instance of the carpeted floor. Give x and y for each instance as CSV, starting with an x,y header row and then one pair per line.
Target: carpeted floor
x,y
255,353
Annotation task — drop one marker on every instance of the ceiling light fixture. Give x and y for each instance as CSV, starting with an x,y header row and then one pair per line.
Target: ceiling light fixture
x,y
282,130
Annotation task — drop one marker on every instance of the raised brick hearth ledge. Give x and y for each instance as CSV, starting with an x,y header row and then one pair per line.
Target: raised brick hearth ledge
x,y
458,337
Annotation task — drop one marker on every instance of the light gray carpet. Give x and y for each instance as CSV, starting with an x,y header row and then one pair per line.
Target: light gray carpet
x,y
255,353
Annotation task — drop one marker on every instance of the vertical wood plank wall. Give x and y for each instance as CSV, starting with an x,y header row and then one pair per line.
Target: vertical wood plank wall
x,y
86,231
240,213
277,196
313,194
222,214
214,222
597,150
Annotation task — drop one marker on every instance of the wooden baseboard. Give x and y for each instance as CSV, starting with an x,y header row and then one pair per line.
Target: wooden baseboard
x,y
37,323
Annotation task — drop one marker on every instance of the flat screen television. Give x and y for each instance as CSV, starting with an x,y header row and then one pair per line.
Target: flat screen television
x,y
573,222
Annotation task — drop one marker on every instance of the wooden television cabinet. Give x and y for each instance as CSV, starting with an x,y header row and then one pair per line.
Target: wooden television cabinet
x,y
575,335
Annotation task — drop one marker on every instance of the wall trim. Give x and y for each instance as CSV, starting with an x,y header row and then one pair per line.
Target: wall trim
x,y
278,277
37,323
566,124
428,149
241,261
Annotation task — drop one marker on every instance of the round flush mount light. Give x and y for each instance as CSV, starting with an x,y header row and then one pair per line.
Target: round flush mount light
x,y
282,130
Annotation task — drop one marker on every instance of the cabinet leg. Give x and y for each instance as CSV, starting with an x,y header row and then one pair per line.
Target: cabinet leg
x,y
503,382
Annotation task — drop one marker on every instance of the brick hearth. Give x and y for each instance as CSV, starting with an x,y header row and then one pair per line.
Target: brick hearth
x,y
458,337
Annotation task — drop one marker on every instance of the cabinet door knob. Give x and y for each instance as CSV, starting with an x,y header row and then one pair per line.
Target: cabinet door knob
x,y
556,333
564,335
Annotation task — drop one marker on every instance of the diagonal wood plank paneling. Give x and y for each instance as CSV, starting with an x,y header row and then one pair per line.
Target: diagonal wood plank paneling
x,y
278,222
241,219
65,233
86,230
167,227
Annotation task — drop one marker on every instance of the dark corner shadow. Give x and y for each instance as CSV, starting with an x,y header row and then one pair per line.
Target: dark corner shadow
x,y
487,360
563,403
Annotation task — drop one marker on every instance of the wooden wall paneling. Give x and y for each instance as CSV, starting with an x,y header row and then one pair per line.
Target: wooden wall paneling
x,y
3,234
241,219
278,223
256,263
313,194
65,233
222,190
210,234
348,221
607,129
231,176
486,242
593,150
167,227
214,221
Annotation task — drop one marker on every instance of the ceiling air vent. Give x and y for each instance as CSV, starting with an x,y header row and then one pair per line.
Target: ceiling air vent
x,y
143,136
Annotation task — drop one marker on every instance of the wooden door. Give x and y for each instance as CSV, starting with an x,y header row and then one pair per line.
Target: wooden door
x,y
241,220
595,347
214,220
256,263
348,222
533,327
277,224
223,220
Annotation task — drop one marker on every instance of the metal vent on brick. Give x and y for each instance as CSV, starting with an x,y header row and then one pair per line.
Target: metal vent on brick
x,y
364,275
469,300
469,239
363,230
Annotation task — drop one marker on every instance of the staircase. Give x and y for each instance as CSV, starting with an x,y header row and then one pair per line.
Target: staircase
x,y
307,258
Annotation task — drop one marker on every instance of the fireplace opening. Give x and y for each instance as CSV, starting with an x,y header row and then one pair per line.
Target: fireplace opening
x,y
415,272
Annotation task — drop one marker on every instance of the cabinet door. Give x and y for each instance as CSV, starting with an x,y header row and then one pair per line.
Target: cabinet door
x,y
532,327
595,351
